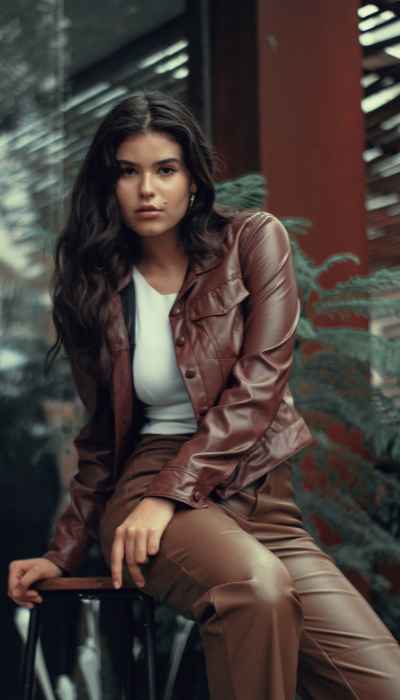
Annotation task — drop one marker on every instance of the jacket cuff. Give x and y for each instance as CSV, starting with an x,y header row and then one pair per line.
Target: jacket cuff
x,y
67,553
59,561
178,485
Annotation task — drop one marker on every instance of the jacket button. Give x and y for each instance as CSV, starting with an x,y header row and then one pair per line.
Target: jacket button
x,y
196,496
190,373
180,340
177,309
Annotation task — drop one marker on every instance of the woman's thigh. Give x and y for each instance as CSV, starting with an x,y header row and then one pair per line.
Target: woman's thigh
x,y
200,549
205,552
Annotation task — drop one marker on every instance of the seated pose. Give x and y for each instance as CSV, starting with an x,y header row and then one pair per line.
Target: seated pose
x,y
179,318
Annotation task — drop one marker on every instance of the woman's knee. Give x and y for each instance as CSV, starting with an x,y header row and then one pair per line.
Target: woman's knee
x,y
272,587
267,595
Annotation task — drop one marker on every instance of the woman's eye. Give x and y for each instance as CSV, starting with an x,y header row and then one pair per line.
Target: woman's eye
x,y
163,170
166,170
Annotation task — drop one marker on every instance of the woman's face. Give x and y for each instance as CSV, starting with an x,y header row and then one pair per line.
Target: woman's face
x,y
153,174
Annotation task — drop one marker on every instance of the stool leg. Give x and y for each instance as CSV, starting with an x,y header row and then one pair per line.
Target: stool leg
x,y
127,643
150,649
28,666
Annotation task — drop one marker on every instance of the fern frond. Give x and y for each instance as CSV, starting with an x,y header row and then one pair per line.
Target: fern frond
x,y
296,225
371,308
334,260
244,192
305,329
385,280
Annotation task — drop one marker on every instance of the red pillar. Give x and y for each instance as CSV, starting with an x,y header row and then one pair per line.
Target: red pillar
x,y
286,101
311,123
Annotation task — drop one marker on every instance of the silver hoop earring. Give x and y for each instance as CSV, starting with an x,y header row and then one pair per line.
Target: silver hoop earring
x,y
191,200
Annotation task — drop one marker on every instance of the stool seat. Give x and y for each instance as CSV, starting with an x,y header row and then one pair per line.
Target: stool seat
x,y
89,588
82,583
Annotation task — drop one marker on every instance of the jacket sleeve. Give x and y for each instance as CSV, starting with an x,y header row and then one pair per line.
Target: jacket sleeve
x,y
77,527
259,376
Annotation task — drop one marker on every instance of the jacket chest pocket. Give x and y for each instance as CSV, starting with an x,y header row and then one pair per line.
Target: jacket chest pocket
x,y
218,317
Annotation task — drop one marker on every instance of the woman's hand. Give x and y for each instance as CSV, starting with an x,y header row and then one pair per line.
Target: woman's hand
x,y
23,573
139,536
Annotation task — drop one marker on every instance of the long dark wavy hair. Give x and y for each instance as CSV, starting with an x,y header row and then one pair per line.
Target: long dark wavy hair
x,y
95,250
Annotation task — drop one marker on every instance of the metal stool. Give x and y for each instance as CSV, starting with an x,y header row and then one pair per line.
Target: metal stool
x,y
91,588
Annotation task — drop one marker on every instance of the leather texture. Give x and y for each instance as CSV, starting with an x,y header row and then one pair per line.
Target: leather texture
x,y
233,321
274,611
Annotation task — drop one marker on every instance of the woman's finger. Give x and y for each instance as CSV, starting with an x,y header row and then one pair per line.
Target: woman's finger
x,y
26,597
130,547
117,556
136,574
131,542
27,602
16,589
141,536
16,571
32,575
29,595
153,541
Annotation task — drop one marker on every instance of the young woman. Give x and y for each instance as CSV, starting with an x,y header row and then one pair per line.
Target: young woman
x,y
179,322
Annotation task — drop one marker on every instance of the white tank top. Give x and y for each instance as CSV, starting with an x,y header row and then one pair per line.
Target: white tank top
x,y
158,381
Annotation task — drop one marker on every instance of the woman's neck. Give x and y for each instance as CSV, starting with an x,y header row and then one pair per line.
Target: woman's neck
x,y
162,255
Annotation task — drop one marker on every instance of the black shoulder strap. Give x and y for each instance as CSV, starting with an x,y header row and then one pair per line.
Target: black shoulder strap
x,y
129,307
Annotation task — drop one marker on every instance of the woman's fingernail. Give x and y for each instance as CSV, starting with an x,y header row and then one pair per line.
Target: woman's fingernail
x,y
140,584
116,584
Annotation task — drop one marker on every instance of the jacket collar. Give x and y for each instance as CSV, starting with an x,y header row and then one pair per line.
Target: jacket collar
x,y
192,273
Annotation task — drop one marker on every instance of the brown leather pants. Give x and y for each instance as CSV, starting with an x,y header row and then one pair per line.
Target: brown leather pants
x,y
273,609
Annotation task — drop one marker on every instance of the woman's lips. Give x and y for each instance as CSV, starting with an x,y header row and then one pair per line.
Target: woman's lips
x,y
149,214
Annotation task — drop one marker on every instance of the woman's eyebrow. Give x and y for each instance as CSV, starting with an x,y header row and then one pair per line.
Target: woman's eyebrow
x,y
157,162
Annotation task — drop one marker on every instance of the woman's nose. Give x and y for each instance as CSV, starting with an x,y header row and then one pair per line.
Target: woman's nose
x,y
146,185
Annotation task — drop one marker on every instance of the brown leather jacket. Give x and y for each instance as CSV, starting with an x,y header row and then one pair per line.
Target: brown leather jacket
x,y
233,321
